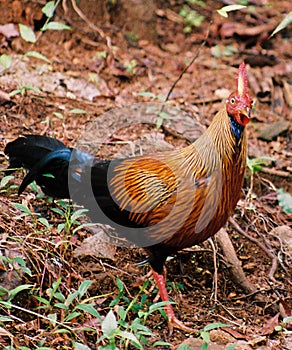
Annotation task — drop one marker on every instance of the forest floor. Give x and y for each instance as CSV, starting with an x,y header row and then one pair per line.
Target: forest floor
x,y
74,93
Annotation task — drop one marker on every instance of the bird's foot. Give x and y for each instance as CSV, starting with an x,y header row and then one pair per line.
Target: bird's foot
x,y
176,323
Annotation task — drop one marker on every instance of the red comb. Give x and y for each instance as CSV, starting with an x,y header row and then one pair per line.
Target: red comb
x,y
242,82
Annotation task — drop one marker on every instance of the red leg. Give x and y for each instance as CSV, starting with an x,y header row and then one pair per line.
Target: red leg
x,y
173,322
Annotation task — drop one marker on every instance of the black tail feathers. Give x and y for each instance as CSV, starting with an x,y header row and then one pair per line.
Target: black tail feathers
x,y
47,160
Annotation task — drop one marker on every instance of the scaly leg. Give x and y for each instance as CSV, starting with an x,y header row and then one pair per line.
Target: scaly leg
x,y
173,322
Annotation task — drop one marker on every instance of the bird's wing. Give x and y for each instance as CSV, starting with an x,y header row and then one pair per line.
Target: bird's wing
x,y
141,185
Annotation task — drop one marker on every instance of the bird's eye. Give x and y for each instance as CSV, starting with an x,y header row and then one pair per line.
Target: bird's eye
x,y
232,101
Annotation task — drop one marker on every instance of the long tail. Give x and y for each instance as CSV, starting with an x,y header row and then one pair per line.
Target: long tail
x,y
64,172
27,150
47,160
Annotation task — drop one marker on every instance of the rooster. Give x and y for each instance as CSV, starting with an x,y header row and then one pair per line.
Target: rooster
x,y
163,202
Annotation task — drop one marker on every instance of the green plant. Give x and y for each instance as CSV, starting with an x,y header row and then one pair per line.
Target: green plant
x,y
6,297
255,165
285,201
283,24
161,115
23,89
184,347
72,306
18,264
5,61
117,332
223,50
71,217
283,327
197,2
59,310
131,37
28,35
205,333
192,18
35,217
5,185
229,8
131,66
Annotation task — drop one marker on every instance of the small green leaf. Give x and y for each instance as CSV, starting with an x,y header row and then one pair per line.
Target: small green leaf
x,y
71,297
78,214
205,336
212,326
59,296
63,204
61,306
45,222
71,316
42,300
58,211
122,313
37,55
285,22
287,319
84,287
49,9
60,227
5,61
23,208
120,285
59,115
27,33
255,164
285,201
5,319
224,10
77,111
55,26
6,304
131,337
34,186
184,347
109,324
80,346
205,346
231,346
52,318
147,94
89,308
167,345
5,180
158,306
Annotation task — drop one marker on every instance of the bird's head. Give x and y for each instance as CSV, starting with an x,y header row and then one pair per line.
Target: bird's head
x,y
239,103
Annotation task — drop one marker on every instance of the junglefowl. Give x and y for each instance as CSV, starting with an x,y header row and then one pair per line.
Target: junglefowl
x,y
163,202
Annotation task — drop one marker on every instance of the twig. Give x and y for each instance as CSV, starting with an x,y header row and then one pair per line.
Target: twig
x,y
275,172
259,244
186,68
215,278
228,320
88,22
234,264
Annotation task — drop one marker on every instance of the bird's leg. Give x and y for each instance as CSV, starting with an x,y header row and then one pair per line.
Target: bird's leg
x,y
173,322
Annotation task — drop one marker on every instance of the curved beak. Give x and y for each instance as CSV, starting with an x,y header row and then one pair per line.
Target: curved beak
x,y
243,116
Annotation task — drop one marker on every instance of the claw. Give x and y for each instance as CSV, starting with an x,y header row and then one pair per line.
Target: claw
x,y
176,323
173,322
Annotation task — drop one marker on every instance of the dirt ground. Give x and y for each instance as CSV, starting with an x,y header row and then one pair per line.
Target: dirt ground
x,y
88,73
